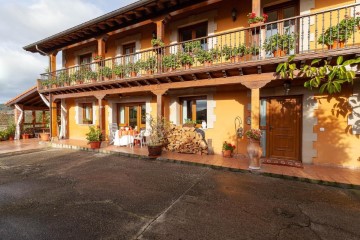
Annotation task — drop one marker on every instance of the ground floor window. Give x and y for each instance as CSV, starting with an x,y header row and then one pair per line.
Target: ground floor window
x,y
193,109
87,113
132,115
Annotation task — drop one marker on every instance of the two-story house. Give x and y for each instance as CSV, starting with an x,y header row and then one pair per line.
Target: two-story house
x,y
210,65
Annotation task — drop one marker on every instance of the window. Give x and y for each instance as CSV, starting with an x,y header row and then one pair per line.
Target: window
x,y
87,113
86,58
194,109
133,115
194,31
129,49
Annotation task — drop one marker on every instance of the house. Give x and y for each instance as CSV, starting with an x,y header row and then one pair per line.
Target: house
x,y
211,65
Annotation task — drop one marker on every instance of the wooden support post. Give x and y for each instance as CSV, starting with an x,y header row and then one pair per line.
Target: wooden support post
x,y
101,45
52,56
101,113
53,118
256,7
255,108
33,118
159,101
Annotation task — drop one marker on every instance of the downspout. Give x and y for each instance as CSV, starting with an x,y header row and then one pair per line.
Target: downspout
x,y
17,131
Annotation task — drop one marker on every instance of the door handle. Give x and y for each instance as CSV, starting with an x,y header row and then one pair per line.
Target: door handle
x,y
271,127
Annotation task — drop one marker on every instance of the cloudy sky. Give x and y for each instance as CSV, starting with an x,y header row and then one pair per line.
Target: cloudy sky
x,y
26,21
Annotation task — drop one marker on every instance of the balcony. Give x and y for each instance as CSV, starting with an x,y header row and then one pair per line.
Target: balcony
x,y
322,34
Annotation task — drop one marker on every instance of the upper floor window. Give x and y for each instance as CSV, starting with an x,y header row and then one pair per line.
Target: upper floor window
x,y
128,51
194,31
85,58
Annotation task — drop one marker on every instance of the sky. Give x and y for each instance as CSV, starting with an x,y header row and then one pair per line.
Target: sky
x,y
23,22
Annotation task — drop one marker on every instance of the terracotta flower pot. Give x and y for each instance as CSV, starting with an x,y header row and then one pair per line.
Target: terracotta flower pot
x,y
279,53
44,136
187,66
78,82
93,80
227,153
95,145
155,151
254,151
11,138
252,25
207,63
25,136
133,74
336,44
233,59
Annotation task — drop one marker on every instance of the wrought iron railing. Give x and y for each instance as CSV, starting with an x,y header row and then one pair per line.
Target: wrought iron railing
x,y
316,32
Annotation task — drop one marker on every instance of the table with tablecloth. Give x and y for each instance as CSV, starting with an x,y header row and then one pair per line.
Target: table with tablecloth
x,y
124,137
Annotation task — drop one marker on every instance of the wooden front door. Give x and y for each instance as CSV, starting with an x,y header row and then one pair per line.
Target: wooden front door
x,y
284,128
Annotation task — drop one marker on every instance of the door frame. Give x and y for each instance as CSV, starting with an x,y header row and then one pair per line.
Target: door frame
x,y
266,128
127,106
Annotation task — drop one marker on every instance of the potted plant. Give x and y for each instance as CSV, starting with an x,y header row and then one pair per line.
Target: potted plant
x,y
189,123
157,42
119,70
97,58
253,148
227,149
91,75
77,77
192,47
45,84
230,53
158,132
27,133
94,137
149,65
63,78
10,131
336,36
207,57
133,68
186,59
279,45
105,72
170,62
255,21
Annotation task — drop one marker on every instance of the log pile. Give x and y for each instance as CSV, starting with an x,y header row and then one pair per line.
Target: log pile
x,y
186,140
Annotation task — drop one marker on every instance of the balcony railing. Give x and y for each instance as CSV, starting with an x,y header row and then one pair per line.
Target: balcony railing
x,y
317,32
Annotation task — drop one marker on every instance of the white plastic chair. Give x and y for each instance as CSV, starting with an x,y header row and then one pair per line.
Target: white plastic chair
x,y
140,137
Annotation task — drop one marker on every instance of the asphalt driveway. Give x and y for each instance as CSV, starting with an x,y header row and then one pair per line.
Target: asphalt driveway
x,y
63,194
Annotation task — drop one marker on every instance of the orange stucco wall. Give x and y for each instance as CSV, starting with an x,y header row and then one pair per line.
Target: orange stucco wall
x,y
336,145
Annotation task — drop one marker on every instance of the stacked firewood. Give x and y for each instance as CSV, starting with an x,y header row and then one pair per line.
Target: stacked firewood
x,y
186,140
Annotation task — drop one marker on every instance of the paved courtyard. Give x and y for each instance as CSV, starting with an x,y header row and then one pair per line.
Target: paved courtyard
x,y
64,194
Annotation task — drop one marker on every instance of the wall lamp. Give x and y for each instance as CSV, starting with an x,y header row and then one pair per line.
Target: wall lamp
x,y
287,87
153,35
234,14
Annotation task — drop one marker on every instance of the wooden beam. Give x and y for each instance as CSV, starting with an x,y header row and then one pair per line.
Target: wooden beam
x,y
244,80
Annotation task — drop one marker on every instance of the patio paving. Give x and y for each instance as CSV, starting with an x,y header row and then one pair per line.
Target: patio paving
x,y
326,175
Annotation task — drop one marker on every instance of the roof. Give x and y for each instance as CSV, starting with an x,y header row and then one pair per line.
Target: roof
x,y
123,17
29,99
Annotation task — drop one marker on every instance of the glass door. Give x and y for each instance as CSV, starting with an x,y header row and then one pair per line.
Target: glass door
x,y
279,12
132,115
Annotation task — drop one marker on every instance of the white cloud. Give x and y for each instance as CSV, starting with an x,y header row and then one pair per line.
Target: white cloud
x,y
24,22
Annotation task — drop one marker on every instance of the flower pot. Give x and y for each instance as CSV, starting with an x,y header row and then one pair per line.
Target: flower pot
x,y
207,63
258,24
170,69
54,86
279,53
11,138
93,80
150,72
155,151
94,145
254,151
78,82
133,74
66,84
233,59
187,66
44,136
336,44
227,153
25,136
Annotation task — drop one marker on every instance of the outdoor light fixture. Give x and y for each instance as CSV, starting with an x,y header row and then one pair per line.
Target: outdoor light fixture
x,y
287,86
234,14
154,35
